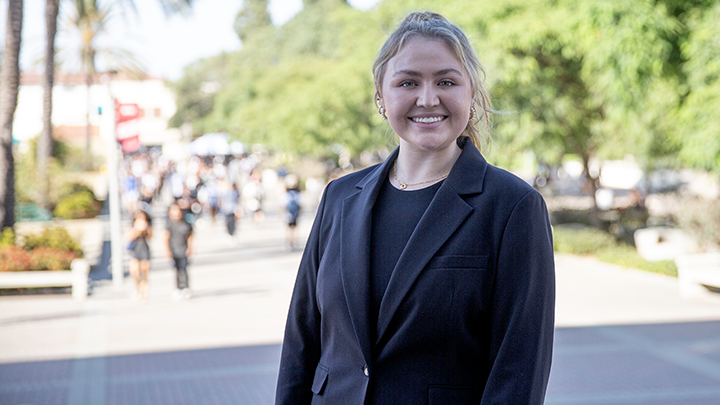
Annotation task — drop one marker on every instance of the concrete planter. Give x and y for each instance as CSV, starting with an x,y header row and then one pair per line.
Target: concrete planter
x,y
76,277
662,243
696,271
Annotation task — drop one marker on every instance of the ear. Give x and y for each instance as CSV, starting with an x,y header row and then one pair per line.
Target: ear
x,y
378,95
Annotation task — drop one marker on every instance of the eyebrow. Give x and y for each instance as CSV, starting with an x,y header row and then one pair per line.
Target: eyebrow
x,y
417,74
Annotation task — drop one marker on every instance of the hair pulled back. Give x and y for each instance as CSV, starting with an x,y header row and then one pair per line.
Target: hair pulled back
x,y
435,26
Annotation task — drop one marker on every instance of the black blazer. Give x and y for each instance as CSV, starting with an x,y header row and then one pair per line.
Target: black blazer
x,y
468,314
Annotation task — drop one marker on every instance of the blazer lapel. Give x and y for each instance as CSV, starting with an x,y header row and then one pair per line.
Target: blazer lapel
x,y
355,251
446,213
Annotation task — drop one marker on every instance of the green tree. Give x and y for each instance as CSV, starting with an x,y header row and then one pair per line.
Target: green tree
x,y
253,17
697,129
580,77
596,79
303,86
197,89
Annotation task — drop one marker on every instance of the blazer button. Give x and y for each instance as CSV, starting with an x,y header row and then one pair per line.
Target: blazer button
x,y
366,371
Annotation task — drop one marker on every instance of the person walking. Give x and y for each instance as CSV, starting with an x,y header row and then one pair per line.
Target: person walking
x,y
178,247
137,237
429,278
229,207
252,196
290,203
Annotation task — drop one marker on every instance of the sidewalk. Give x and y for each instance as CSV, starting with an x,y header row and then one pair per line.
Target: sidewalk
x,y
626,337
622,337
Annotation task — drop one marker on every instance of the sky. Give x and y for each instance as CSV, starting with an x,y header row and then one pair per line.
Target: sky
x,y
164,44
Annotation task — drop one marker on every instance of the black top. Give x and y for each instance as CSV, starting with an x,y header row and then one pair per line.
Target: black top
x,y
180,231
395,215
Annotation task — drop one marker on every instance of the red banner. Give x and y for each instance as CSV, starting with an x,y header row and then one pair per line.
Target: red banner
x,y
127,126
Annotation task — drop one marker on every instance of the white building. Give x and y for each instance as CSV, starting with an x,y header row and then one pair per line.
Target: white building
x,y
70,108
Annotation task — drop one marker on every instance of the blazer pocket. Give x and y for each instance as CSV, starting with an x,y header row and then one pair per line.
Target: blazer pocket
x,y
459,262
321,375
448,395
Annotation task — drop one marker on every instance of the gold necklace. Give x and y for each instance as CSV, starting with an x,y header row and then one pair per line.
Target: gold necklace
x,y
403,186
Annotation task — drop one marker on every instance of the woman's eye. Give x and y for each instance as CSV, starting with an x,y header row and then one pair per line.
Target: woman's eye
x,y
407,84
446,83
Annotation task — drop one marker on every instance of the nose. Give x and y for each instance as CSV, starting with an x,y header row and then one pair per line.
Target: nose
x,y
428,97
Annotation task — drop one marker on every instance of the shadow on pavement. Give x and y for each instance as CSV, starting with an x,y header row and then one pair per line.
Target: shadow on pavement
x,y
658,364
99,271
233,375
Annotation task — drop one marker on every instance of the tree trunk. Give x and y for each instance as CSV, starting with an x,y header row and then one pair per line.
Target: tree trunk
x,y
592,188
9,84
45,141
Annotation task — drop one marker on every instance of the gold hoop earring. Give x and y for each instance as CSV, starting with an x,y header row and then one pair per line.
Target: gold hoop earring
x,y
473,113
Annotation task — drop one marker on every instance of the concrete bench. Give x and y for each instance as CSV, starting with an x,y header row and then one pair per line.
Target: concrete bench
x,y
662,243
76,277
697,271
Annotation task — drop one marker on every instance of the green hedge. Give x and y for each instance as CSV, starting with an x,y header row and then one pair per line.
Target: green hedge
x,y
14,258
56,238
53,249
81,204
582,240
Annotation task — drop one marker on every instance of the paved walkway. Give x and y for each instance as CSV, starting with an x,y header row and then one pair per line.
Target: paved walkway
x,y
623,336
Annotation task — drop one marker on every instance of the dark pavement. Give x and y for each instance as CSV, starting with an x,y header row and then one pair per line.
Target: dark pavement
x,y
622,337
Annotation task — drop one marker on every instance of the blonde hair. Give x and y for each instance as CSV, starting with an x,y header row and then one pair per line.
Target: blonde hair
x,y
433,25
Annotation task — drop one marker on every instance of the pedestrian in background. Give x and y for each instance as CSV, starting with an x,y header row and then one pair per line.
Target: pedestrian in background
x,y
138,236
229,207
429,278
178,247
252,196
290,203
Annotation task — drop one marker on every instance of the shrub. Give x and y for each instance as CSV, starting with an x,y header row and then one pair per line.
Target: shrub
x,y
700,218
47,258
81,204
71,188
13,258
580,240
627,256
583,241
8,237
55,237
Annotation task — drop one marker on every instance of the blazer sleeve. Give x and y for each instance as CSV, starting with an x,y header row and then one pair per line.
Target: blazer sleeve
x,y
523,312
301,344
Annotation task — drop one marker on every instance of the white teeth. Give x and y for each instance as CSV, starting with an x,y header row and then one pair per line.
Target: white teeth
x,y
428,120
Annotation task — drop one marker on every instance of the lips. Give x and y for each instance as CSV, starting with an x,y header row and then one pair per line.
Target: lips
x,y
427,120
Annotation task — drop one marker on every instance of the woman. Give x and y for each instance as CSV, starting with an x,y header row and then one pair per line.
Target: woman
x,y
427,279
138,236
290,204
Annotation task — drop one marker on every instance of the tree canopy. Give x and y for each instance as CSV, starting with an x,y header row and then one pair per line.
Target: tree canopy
x,y
592,78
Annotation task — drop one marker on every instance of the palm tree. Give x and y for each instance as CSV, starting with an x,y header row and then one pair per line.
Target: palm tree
x,y
45,145
89,21
44,151
9,83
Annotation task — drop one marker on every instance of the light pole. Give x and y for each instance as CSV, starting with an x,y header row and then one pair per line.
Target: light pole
x,y
116,239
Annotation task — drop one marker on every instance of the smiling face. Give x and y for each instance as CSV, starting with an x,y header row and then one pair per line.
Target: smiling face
x,y
427,94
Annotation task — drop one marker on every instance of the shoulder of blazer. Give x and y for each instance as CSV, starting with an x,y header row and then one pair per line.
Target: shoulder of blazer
x,y
473,175
502,181
347,185
351,183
